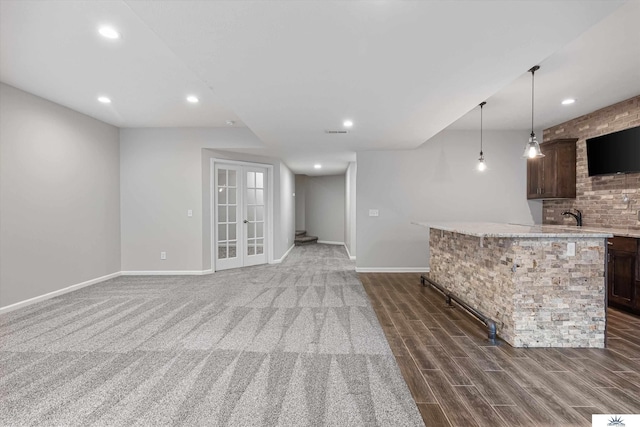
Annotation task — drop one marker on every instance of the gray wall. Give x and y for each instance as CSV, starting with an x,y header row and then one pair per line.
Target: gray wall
x,y
437,182
325,207
350,209
59,203
287,209
164,173
301,191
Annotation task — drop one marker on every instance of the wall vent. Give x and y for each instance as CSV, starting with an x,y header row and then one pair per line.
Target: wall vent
x,y
336,131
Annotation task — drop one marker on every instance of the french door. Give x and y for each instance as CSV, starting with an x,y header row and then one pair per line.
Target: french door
x,y
240,215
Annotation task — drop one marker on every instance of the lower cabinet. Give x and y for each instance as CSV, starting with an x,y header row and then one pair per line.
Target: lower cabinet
x,y
623,269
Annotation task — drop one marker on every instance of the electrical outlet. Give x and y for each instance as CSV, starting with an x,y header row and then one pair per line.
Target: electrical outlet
x,y
163,255
189,213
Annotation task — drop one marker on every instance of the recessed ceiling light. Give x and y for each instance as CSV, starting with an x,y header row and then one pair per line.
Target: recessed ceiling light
x,y
104,100
193,99
568,101
347,123
230,122
109,33
317,166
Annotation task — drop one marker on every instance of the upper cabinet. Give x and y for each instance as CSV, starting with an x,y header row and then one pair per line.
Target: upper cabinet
x,y
554,175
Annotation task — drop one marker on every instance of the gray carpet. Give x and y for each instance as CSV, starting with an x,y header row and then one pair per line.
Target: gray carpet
x,y
295,344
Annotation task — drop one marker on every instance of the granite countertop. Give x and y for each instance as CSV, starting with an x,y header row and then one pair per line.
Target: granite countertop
x,y
489,229
624,232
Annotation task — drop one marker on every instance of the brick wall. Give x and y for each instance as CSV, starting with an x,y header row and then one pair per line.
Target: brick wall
x,y
599,198
549,299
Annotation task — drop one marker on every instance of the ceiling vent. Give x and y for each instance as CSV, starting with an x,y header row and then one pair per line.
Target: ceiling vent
x,y
336,131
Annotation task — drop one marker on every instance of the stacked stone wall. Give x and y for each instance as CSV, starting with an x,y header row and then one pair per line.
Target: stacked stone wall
x,y
538,295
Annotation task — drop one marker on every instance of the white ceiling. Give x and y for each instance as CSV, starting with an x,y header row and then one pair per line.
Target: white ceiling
x,y
599,68
402,71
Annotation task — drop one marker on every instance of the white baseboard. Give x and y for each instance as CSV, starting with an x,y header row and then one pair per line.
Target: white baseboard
x,y
167,273
392,269
53,294
351,257
327,242
278,261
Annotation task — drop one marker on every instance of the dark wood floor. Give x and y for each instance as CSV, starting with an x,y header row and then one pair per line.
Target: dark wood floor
x,y
458,378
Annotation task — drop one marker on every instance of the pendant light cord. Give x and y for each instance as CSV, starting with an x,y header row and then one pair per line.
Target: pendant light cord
x,y
481,105
533,82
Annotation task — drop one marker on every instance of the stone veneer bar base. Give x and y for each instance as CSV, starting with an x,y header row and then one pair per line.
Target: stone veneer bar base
x,y
538,296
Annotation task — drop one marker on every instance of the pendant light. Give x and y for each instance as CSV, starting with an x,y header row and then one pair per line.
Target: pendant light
x,y
481,164
532,149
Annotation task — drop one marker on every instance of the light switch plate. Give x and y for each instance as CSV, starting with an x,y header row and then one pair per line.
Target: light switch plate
x,y
571,249
373,212
190,213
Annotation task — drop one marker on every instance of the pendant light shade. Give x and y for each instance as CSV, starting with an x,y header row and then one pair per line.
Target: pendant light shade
x,y
481,164
532,149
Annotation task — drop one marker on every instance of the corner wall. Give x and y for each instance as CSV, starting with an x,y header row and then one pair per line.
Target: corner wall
x,y
350,210
436,182
599,197
59,197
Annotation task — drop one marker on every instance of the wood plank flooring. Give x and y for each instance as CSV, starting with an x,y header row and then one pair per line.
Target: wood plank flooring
x,y
458,378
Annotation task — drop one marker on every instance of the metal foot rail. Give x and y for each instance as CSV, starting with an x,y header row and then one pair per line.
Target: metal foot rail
x,y
490,323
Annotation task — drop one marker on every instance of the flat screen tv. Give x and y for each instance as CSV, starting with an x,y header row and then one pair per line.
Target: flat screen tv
x,y
617,152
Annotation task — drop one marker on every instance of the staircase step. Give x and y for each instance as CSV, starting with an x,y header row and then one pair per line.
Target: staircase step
x,y
300,233
304,240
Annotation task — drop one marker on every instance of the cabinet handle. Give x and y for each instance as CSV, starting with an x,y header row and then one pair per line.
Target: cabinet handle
x,y
610,243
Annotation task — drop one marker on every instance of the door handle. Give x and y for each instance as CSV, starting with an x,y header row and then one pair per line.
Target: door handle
x,y
245,221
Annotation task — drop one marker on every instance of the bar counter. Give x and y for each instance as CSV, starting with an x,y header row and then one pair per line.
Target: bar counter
x,y
544,286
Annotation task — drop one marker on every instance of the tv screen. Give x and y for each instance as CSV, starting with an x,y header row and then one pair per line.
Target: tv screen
x,y
617,152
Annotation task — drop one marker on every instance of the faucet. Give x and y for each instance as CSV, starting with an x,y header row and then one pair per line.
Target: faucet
x,y
578,216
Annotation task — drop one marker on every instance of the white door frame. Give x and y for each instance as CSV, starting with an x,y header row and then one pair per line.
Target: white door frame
x,y
269,225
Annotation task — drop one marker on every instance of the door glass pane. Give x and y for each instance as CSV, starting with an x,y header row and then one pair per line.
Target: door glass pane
x,y
259,246
232,214
251,197
222,232
259,177
222,177
232,178
222,214
259,197
222,195
251,250
259,213
232,196
259,229
251,213
251,230
222,251
232,232
251,180
232,250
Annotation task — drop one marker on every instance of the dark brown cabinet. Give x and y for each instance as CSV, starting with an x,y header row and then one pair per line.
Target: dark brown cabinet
x,y
623,273
554,175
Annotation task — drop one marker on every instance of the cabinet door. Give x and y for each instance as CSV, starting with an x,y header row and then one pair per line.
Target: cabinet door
x,y
549,168
621,280
565,167
534,178
553,176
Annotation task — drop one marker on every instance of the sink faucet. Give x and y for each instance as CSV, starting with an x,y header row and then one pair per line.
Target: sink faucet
x,y
577,216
